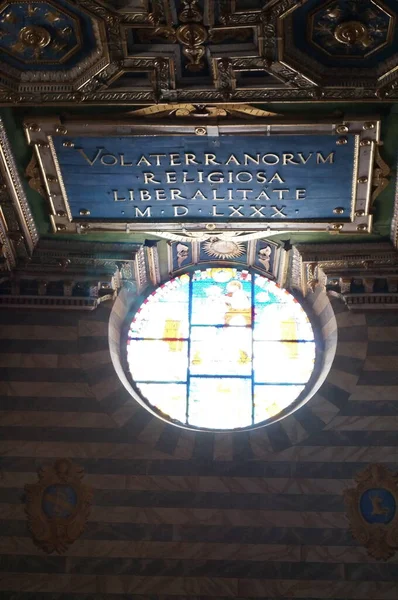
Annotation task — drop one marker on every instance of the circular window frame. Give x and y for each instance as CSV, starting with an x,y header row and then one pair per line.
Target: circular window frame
x,y
316,379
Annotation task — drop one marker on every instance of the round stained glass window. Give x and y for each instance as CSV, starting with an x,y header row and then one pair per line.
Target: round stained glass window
x,y
220,348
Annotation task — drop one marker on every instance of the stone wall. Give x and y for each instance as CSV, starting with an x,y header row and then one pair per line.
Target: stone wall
x,y
178,514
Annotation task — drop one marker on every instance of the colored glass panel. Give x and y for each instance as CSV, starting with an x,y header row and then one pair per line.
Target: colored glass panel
x,y
220,349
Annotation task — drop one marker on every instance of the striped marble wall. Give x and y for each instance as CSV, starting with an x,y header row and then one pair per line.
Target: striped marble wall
x,y
184,515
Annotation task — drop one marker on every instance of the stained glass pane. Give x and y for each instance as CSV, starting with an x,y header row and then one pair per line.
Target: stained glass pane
x,y
221,351
158,360
283,362
221,297
270,400
220,403
193,346
169,398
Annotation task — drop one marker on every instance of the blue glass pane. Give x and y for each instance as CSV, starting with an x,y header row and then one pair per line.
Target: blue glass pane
x,y
164,313
283,362
221,351
270,400
220,403
158,360
169,398
221,297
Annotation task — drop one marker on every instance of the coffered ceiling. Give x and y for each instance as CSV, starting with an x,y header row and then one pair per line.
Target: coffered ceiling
x,y
143,52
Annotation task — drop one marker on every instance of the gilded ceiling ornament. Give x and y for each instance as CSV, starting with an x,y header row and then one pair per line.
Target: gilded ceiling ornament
x,y
372,508
58,506
219,248
352,33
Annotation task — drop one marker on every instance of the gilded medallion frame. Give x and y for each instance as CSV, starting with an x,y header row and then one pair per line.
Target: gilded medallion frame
x,y
41,132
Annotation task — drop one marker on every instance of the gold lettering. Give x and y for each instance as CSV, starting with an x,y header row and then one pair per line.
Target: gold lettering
x,y
257,212
277,177
288,159
177,213
124,164
215,199
176,195
248,177
144,195
159,193
278,212
109,164
216,177
321,159
280,193
116,196
244,193
301,194
248,158
266,161
150,178
304,160
146,213
215,213
261,177
96,157
235,211
185,178
190,159
171,177
200,176
175,160
198,195
232,159
210,159
158,157
263,196
145,161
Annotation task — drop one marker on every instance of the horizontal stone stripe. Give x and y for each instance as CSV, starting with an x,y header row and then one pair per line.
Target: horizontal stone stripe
x,y
32,403
36,374
376,348
383,334
376,408
352,349
166,474
376,393
375,423
45,389
46,346
378,378
17,545
71,434
350,319
381,363
188,516
191,484
38,332
182,568
348,364
386,318
356,438
92,328
22,448
353,334
295,502
37,360
54,419
337,454
187,586
199,533
99,357
90,344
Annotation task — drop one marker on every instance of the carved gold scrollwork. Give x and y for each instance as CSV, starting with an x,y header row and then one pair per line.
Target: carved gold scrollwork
x,y
381,176
32,173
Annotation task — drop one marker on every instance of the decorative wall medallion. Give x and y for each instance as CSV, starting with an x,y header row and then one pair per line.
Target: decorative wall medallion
x,y
216,248
373,511
58,506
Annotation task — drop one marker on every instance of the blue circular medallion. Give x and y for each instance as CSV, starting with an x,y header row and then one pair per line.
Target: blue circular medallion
x,y
377,505
59,501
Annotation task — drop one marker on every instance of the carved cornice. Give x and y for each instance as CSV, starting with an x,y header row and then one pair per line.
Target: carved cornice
x,y
18,232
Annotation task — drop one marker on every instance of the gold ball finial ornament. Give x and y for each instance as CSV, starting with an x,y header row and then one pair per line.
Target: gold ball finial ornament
x,y
34,36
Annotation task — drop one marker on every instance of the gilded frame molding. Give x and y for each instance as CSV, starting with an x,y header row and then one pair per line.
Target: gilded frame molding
x,y
41,132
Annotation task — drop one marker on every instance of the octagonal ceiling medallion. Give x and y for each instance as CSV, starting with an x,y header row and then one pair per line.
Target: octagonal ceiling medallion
x,y
351,29
49,42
